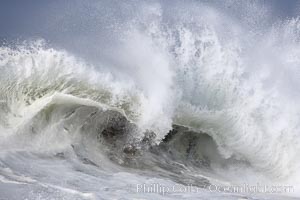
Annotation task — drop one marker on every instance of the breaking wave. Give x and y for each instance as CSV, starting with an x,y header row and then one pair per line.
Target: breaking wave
x,y
201,93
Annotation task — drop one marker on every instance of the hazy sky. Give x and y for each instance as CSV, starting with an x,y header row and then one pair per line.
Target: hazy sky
x,y
72,23
35,17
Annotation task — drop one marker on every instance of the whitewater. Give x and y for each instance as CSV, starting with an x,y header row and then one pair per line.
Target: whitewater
x,y
152,100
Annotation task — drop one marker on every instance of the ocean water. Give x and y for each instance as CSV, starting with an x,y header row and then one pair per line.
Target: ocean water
x,y
151,100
